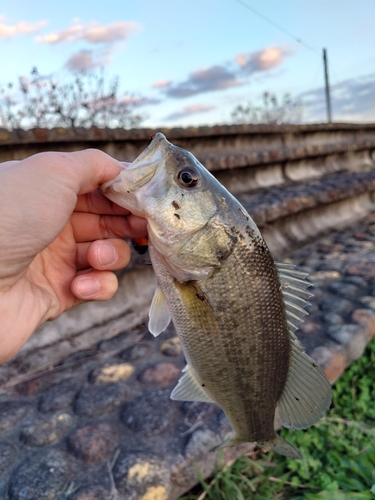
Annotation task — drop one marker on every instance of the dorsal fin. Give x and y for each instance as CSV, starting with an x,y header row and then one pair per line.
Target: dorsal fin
x,y
307,392
294,289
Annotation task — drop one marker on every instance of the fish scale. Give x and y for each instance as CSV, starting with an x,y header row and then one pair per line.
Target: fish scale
x,y
233,308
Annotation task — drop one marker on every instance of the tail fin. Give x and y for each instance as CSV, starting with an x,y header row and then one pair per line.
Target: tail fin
x,y
277,444
281,447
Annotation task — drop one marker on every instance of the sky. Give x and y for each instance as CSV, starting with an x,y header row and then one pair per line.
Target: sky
x,y
191,62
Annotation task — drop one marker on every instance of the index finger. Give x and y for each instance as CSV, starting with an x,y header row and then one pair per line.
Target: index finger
x,y
96,203
81,171
91,227
93,167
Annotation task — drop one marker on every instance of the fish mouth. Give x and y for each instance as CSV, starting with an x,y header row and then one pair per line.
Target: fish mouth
x,y
139,173
154,153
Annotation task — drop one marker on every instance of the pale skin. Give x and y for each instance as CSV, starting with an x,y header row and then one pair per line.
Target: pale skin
x,y
60,239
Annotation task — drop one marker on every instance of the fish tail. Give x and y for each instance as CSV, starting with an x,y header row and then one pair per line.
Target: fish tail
x,y
280,446
277,444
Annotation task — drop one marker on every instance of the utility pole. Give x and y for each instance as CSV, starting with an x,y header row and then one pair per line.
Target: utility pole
x,y
328,94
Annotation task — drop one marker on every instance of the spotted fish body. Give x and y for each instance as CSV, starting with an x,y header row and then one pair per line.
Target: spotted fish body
x,y
233,308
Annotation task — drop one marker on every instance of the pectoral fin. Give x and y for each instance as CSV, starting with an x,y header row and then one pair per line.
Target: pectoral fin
x,y
160,316
189,388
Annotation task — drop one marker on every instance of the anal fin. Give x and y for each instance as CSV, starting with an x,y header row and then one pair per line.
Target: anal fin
x,y
188,388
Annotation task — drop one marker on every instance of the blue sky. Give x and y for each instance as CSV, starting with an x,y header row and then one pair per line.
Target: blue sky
x,y
193,61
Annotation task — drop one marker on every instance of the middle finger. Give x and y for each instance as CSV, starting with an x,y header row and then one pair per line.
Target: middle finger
x,y
96,203
91,227
111,254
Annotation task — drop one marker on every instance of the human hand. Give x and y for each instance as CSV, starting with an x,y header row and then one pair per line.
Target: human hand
x,y
60,239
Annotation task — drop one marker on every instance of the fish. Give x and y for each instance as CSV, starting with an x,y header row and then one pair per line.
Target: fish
x,y
234,309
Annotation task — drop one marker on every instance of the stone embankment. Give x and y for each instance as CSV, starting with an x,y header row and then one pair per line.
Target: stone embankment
x,y
84,408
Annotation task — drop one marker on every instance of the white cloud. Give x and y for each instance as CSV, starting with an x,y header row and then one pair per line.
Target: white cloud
x,y
92,32
161,84
86,60
217,77
263,60
191,110
21,28
141,101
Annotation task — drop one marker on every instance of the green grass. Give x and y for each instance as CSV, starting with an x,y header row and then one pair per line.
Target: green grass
x,y
338,453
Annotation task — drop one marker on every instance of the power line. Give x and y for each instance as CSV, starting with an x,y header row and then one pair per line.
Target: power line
x,y
298,40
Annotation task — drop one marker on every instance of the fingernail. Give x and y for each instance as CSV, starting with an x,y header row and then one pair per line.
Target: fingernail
x,y
86,287
106,254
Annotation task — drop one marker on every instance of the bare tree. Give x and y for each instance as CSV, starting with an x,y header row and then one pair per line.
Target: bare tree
x,y
88,99
272,111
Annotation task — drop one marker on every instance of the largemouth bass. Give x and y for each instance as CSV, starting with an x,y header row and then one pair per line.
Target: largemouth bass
x,y
234,310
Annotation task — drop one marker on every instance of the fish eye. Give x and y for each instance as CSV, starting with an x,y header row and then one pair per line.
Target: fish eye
x,y
187,178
